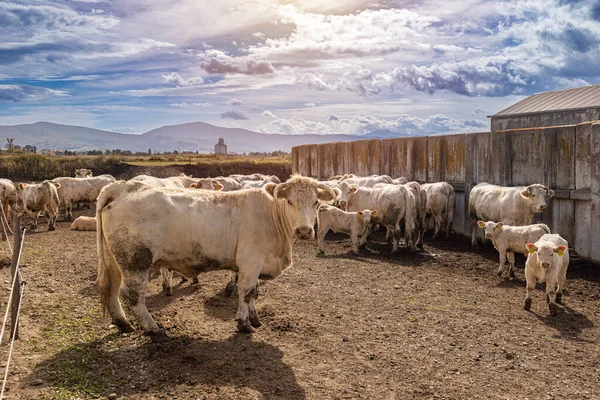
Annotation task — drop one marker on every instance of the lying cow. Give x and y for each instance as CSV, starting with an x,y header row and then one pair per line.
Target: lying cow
x,y
83,173
84,224
354,224
85,190
38,198
547,261
440,204
395,203
511,205
141,228
509,240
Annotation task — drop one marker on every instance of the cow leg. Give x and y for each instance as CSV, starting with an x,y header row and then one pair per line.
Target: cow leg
x,y
562,277
247,291
530,279
474,232
551,296
321,232
356,238
230,287
502,262
167,280
511,264
69,209
395,237
134,292
449,219
365,235
114,305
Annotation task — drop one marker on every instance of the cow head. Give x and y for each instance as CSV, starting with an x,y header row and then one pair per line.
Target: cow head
x,y
490,228
346,191
545,253
300,196
207,184
367,215
536,194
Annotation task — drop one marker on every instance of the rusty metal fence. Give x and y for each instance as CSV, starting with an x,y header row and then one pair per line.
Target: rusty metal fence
x,y
565,158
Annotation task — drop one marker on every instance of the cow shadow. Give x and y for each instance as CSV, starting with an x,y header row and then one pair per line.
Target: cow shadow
x,y
159,300
184,364
568,323
223,306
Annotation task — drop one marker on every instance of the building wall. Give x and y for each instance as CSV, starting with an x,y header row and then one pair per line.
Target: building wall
x,y
544,119
562,158
220,149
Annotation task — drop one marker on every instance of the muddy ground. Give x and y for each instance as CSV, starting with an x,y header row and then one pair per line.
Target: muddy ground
x,y
438,324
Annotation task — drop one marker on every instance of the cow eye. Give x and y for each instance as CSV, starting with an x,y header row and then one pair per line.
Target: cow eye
x,y
290,202
316,203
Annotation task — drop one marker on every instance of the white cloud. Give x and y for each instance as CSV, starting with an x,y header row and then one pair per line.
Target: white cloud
x,y
268,113
310,104
235,102
179,105
23,93
236,115
175,79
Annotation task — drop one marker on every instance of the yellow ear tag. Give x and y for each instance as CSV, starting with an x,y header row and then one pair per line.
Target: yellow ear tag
x,y
561,252
499,228
531,250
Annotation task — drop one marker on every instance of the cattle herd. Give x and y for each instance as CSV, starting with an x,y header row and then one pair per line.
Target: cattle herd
x,y
248,223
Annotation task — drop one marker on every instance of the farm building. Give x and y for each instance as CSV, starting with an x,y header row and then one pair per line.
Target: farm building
x,y
557,108
221,147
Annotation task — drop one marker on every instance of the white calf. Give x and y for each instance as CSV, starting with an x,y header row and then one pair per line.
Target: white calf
x,y
354,224
547,261
509,240
84,224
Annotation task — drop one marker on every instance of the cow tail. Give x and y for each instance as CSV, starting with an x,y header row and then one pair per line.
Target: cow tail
x,y
545,228
104,269
450,205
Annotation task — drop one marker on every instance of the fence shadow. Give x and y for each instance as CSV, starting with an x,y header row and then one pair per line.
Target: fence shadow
x,y
180,364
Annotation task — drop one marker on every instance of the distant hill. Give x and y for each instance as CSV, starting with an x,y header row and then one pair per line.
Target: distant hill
x,y
195,136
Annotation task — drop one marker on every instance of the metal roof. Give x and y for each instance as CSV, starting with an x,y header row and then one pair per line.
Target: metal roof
x,y
559,100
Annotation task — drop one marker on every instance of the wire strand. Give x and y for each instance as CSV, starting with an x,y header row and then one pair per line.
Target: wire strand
x,y
12,343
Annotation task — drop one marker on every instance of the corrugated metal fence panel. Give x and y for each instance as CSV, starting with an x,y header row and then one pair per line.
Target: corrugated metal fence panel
x,y
455,166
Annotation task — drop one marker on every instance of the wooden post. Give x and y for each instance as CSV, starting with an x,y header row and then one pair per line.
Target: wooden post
x,y
14,306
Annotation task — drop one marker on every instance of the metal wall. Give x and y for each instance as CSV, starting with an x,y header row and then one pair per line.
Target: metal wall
x,y
566,159
542,119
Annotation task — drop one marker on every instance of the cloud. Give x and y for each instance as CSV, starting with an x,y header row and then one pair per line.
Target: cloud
x,y
310,104
362,124
180,105
23,93
268,113
236,115
480,111
235,102
237,66
175,79
259,35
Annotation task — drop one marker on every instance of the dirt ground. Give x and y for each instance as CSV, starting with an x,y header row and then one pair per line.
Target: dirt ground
x,y
438,324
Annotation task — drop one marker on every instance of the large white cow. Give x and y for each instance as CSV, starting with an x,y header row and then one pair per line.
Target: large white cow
x,y
86,190
509,240
394,203
141,227
38,198
547,261
368,181
83,173
441,202
511,205
176,182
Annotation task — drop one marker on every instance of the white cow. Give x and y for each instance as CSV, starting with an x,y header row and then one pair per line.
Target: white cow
x,y
509,240
35,198
400,181
86,190
229,184
207,184
441,202
83,173
354,224
84,224
181,181
141,228
8,196
368,181
254,184
511,205
395,203
255,177
547,261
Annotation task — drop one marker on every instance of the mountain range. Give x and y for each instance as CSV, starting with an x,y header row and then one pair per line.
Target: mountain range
x,y
195,136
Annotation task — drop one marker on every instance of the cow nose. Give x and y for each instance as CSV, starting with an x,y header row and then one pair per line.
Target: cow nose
x,y
304,232
343,203
544,207
545,265
488,236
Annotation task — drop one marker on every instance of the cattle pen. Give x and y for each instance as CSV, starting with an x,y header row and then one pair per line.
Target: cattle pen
x,y
563,158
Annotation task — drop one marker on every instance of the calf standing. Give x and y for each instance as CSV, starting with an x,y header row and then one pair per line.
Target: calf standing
x,y
547,261
511,239
35,198
354,224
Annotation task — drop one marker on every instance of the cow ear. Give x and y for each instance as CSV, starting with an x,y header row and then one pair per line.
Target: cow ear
x,y
359,213
324,195
549,193
217,186
194,186
531,248
374,213
337,192
481,224
270,187
353,188
499,225
56,184
560,250
525,193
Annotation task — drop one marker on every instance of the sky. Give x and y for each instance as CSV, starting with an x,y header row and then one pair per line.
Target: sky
x,y
290,67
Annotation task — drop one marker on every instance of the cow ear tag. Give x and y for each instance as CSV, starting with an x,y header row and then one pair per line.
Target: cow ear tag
x,y
561,252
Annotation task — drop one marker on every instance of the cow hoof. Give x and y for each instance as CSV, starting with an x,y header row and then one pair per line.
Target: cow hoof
x,y
123,325
511,273
51,228
547,299
157,336
255,322
558,298
195,281
527,304
245,327
168,292
552,308
499,273
184,279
